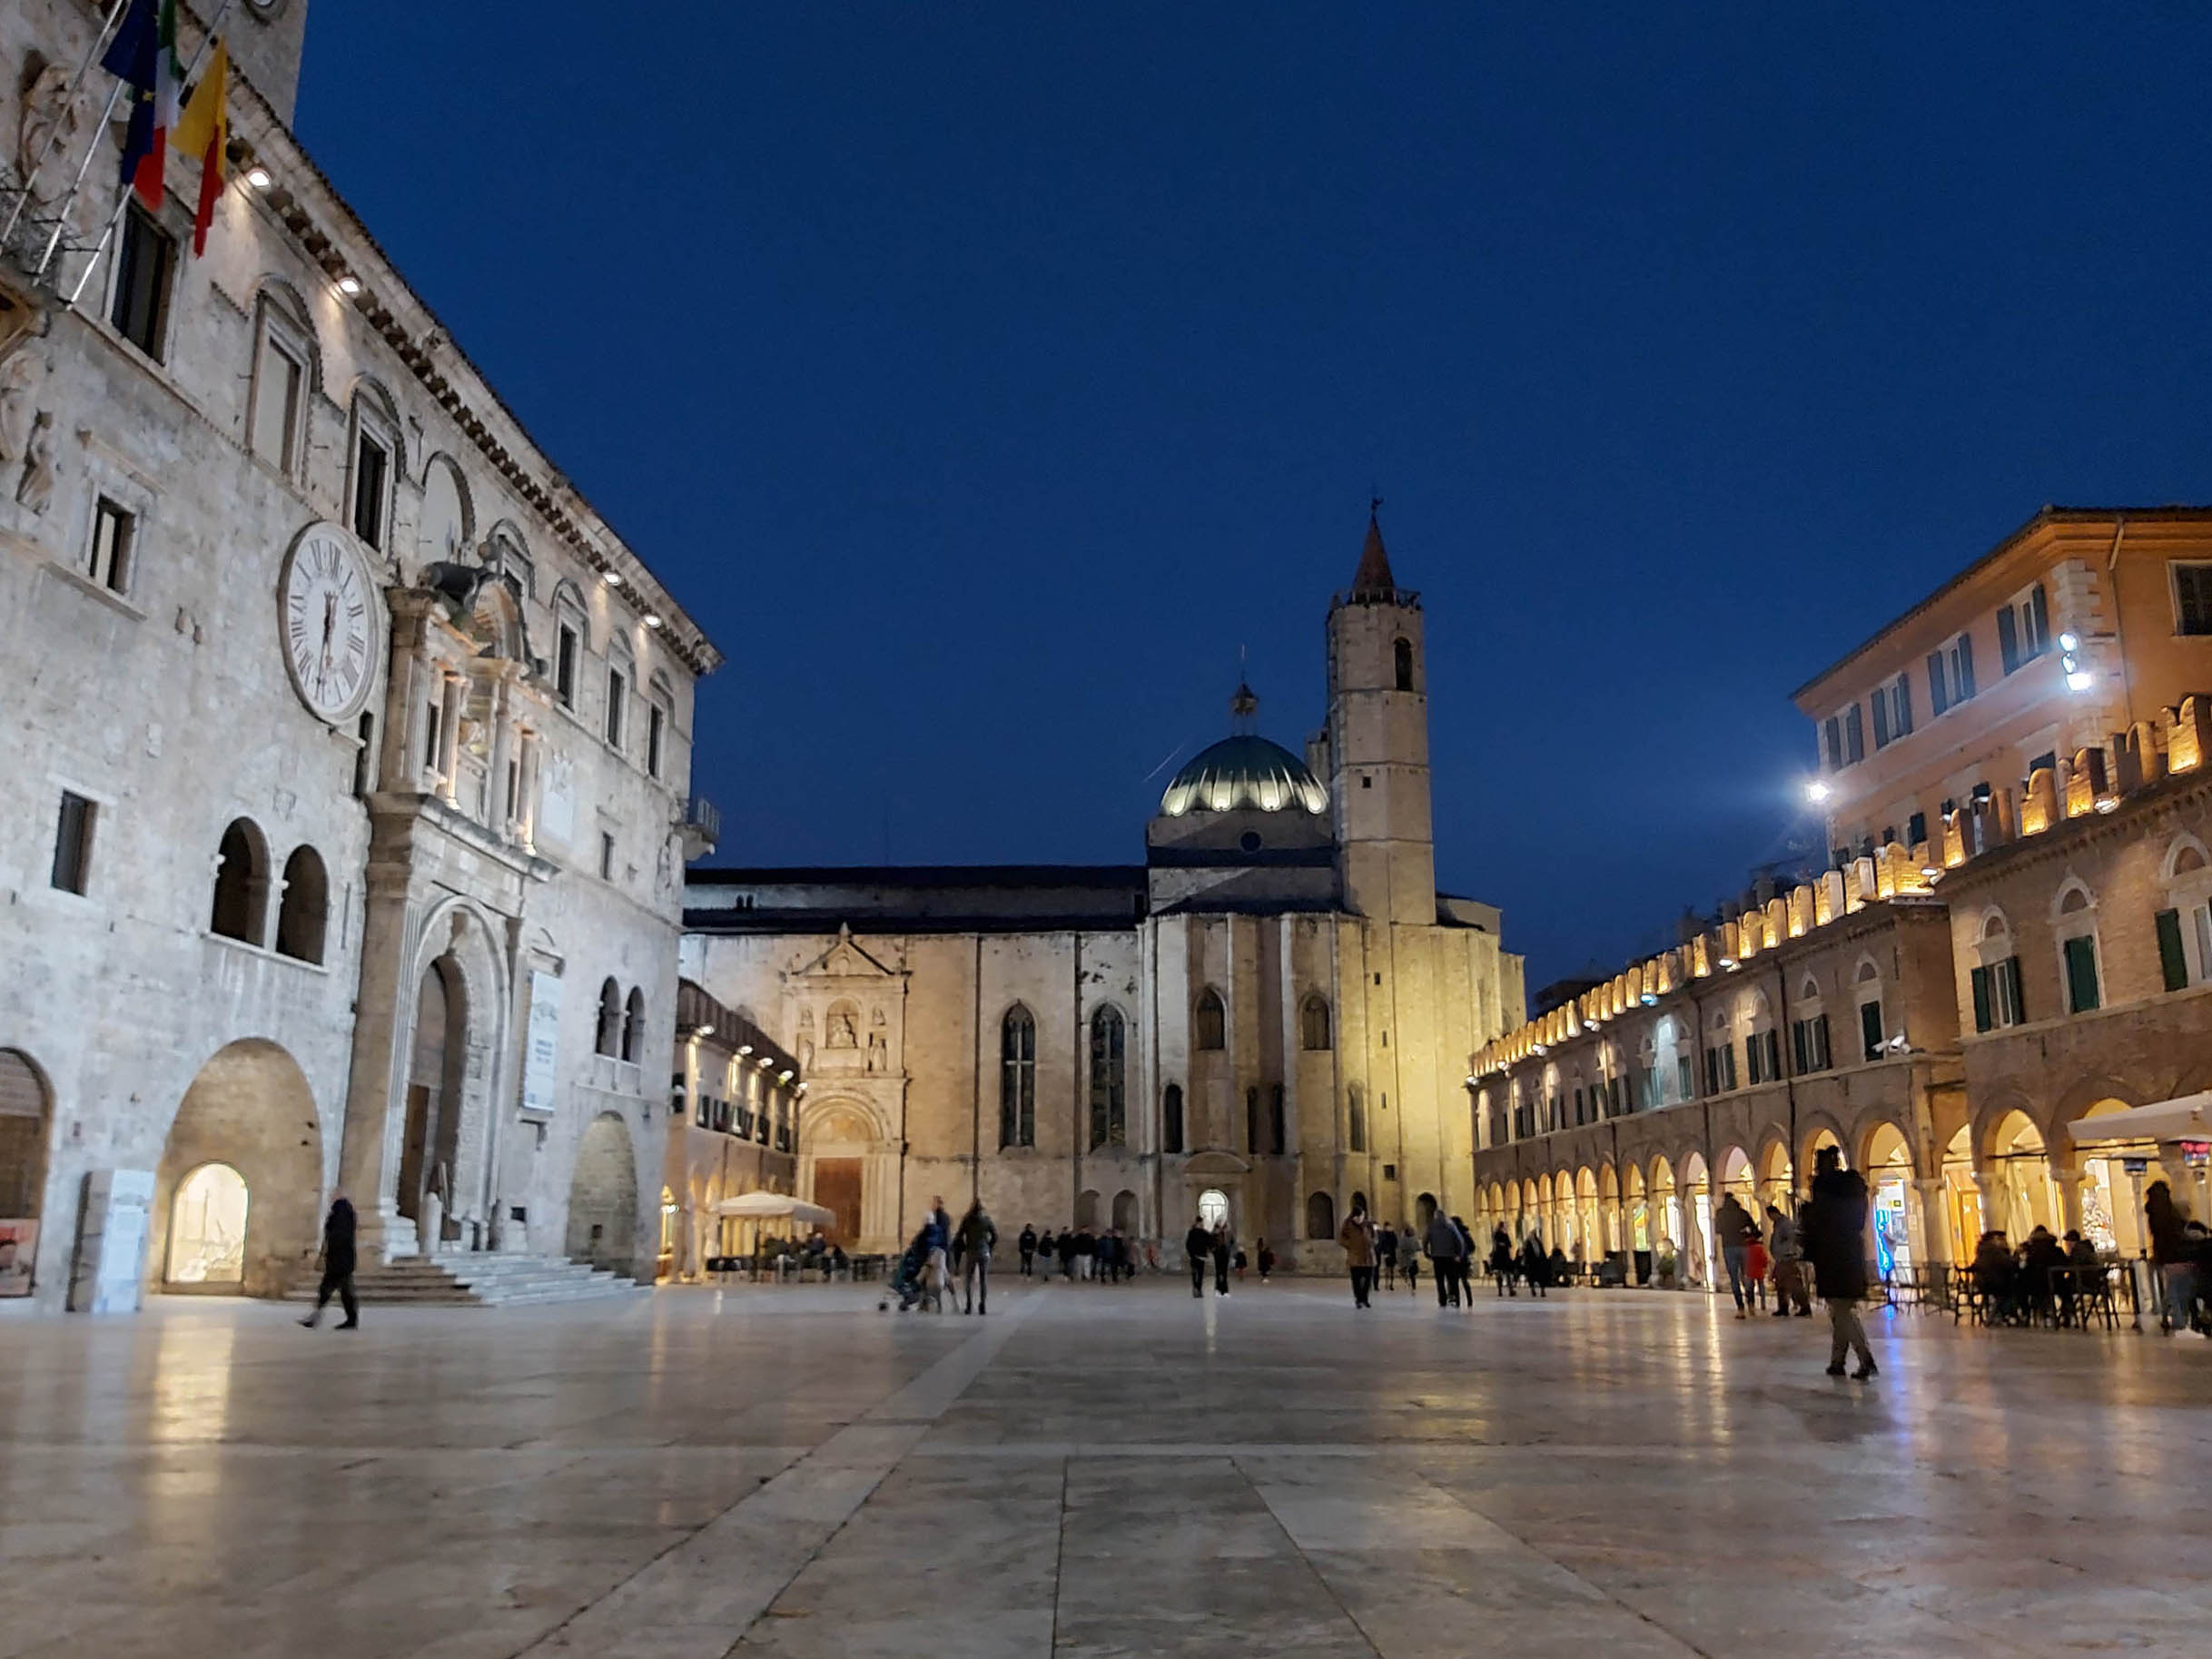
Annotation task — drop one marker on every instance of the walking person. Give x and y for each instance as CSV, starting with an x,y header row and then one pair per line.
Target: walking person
x,y
1789,1265
1501,1262
1386,1258
1357,1238
977,1236
1535,1265
1067,1252
336,1265
1409,1259
1832,1225
1224,1246
1733,1226
1266,1259
1198,1250
1446,1256
1027,1245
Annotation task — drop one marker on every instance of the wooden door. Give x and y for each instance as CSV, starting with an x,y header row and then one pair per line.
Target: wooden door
x,y
837,1190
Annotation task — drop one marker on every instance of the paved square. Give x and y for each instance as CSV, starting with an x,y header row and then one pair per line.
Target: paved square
x,y
1093,1471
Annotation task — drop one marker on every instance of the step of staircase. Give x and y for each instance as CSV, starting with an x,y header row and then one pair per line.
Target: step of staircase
x,y
480,1279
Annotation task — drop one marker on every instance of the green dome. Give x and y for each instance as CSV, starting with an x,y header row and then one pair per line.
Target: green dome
x,y
1245,772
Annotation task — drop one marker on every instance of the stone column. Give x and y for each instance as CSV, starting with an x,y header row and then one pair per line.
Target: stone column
x,y
376,1083
2066,1178
498,819
526,803
454,691
1933,1222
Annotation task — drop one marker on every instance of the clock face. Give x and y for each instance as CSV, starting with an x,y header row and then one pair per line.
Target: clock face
x,y
326,606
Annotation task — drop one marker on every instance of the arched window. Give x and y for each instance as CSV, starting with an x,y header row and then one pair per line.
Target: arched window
x,y
242,883
1320,1216
1171,1119
305,906
1401,653
609,1039
1017,1078
24,1113
633,1026
1357,1116
1210,1028
1109,1079
444,526
1313,1023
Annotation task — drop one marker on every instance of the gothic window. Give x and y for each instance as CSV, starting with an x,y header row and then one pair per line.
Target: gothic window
x,y
632,1025
302,910
1171,1119
1017,1078
1109,1079
609,1039
1320,1216
1402,656
1314,1023
1211,1028
242,883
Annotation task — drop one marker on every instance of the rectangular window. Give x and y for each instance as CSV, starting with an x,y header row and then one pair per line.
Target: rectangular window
x,y
2173,960
1754,1060
1809,1043
1939,692
432,719
1579,1118
1962,669
1834,731
1871,1034
2192,599
564,669
1882,720
1901,707
1767,1048
143,263
1916,828
110,562
1854,737
2081,987
2008,640
1720,1067
73,839
1682,1076
655,723
606,856
615,689
371,482
276,404
2023,629
2007,1007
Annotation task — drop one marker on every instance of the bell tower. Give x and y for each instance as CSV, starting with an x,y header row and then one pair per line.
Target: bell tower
x,y
267,38
1379,744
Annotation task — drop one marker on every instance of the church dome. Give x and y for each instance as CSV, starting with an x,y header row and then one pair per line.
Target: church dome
x,y
1245,771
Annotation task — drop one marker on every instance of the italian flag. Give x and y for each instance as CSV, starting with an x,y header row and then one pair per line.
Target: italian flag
x,y
143,54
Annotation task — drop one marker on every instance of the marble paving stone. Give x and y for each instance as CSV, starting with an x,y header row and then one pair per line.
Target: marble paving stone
x,y
1093,1471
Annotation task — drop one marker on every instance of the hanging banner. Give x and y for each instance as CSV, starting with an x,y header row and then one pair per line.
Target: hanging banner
x,y
541,1047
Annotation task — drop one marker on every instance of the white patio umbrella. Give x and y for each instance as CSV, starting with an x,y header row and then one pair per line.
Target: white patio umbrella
x,y
2187,1118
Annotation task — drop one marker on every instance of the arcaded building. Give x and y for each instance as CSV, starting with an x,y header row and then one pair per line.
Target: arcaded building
x,y
348,745
1268,1019
2015,935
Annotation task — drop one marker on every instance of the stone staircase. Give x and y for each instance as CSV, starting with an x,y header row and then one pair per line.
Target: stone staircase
x,y
476,1279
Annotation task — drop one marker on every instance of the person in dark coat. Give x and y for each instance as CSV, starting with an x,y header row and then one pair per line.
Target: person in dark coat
x,y
1501,1260
1198,1250
1733,1226
1832,1226
1027,1245
1447,1256
2169,1250
1536,1264
337,1266
1224,1247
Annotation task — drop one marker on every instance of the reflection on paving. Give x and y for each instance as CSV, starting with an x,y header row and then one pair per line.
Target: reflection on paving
x,y
1092,1472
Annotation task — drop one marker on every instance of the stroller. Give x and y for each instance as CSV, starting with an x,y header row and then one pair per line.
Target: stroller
x,y
912,1281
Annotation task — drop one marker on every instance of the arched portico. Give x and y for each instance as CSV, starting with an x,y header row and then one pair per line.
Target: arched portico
x,y
849,1164
248,1112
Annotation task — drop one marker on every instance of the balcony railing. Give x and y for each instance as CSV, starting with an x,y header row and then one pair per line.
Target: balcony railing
x,y
700,825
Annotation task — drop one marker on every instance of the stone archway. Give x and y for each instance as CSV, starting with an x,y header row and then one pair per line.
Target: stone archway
x,y
603,1197
849,1166
27,1116
249,1109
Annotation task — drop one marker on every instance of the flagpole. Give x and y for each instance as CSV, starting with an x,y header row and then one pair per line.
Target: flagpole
x,y
122,201
54,133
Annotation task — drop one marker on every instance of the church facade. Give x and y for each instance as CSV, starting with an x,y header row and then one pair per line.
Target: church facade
x,y
1269,1018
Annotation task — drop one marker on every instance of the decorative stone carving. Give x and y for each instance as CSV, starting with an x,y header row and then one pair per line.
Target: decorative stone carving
x,y
843,1029
879,1054
46,128
19,377
36,488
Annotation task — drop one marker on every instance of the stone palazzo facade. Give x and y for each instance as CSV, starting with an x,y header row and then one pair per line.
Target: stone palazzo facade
x,y
2015,935
1268,1019
349,745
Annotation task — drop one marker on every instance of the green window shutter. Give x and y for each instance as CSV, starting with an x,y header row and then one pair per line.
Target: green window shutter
x,y
2170,956
1981,976
2011,969
2081,975
1870,1030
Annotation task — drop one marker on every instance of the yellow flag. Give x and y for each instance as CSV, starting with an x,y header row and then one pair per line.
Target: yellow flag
x,y
204,130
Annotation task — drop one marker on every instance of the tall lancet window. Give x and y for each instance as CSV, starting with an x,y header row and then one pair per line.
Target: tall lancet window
x,y
1017,1078
1109,1080
1211,1028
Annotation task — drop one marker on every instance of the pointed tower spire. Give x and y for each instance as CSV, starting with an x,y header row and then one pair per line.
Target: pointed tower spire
x,y
1373,579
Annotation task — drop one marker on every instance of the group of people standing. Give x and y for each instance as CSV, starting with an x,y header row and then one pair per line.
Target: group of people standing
x,y
1379,1254
939,1251
1100,1258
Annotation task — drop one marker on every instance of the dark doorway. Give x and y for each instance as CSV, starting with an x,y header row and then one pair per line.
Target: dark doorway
x,y
433,1092
837,1190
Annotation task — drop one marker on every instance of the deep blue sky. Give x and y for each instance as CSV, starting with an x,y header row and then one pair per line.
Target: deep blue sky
x,y
982,378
